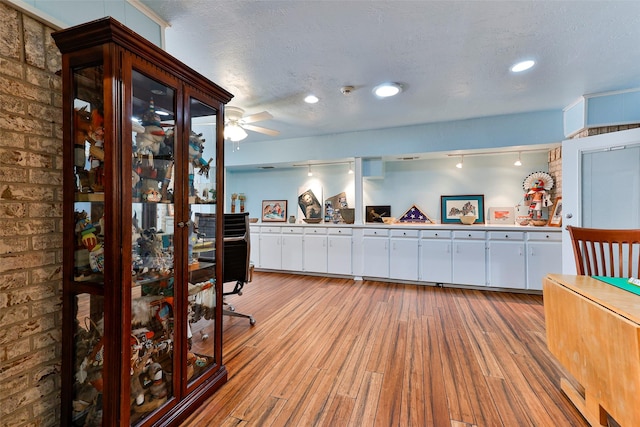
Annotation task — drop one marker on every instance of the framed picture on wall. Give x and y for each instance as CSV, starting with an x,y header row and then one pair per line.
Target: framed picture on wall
x,y
453,207
376,213
274,210
555,217
502,215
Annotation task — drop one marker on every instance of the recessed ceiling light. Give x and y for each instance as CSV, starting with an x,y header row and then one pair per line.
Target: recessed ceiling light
x,y
522,66
311,99
387,89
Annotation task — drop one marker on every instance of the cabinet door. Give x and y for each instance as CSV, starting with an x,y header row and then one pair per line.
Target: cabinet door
x,y
375,253
403,255
506,264
339,254
315,250
542,258
435,260
292,252
255,246
270,251
469,258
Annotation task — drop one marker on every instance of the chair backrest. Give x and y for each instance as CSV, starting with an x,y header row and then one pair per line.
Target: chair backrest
x,y
237,243
601,252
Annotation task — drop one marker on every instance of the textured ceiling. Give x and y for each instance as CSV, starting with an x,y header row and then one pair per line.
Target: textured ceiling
x,y
451,56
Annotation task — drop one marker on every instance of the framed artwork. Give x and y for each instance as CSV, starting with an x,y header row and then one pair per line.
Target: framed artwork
x,y
555,218
453,207
502,216
376,213
274,210
309,205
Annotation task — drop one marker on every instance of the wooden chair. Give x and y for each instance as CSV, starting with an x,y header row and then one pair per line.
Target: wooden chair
x,y
601,252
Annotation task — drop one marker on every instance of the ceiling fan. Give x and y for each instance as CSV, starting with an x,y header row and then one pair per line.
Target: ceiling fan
x,y
235,124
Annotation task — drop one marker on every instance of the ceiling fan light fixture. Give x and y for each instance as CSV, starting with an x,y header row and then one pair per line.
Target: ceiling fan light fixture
x,y
311,99
523,66
233,132
386,90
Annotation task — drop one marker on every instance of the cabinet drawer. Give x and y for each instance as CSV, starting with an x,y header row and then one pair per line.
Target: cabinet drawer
x,y
341,231
436,234
270,230
382,232
405,233
291,230
506,235
544,237
469,235
315,230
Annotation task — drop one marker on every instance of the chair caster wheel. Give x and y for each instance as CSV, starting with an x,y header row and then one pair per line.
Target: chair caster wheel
x,y
252,321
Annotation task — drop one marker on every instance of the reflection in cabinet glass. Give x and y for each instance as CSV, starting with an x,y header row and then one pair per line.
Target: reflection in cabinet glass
x,y
142,335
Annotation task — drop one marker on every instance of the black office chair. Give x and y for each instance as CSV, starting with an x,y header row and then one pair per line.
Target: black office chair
x,y
237,246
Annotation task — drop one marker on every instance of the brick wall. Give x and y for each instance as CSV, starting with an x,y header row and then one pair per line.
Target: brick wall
x,y
555,170
30,222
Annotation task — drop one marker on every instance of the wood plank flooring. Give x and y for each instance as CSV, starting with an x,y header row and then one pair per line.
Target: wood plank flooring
x,y
335,352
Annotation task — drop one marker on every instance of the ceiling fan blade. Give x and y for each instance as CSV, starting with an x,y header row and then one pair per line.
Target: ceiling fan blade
x,y
260,129
258,117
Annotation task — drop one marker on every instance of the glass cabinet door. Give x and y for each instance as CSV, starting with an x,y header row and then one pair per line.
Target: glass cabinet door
x,y
152,245
88,245
201,307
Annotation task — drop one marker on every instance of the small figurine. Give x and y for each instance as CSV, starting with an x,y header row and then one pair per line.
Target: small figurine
x,y
537,186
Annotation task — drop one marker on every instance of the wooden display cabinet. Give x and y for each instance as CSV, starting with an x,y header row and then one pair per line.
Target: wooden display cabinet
x,y
143,152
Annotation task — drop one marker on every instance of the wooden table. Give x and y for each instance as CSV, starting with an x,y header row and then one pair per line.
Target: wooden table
x,y
593,329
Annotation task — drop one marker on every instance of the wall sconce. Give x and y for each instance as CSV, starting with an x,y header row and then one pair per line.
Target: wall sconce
x,y
459,164
309,173
518,162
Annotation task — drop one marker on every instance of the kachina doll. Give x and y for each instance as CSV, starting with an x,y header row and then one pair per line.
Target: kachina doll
x,y
537,187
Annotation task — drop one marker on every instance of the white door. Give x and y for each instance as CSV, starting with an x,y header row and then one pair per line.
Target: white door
x,y
600,185
435,259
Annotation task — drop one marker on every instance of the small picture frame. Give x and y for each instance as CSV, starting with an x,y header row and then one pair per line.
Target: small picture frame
x,y
376,213
453,207
274,210
502,215
555,217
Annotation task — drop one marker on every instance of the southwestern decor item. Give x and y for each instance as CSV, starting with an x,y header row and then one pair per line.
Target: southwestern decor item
x,y
537,187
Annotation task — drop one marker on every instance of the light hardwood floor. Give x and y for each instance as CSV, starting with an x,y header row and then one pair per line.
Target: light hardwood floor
x,y
334,352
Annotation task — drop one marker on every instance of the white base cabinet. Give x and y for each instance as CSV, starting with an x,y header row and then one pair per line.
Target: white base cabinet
x,y
500,257
314,251
544,256
435,256
292,248
254,236
403,254
469,258
270,252
506,261
339,252
375,252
